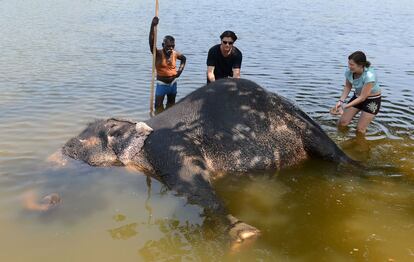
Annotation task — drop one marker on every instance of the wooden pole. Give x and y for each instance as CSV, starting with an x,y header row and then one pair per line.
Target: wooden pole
x,y
154,54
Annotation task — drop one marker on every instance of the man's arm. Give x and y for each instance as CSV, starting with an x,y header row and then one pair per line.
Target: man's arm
x,y
237,65
182,59
154,23
211,63
236,72
210,74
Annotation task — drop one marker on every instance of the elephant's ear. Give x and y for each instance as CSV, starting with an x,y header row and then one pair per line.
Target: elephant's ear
x,y
129,151
143,129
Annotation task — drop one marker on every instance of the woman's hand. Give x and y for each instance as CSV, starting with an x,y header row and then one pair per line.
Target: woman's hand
x,y
338,108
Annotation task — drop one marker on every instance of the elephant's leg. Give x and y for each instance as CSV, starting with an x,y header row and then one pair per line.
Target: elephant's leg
x,y
180,165
193,182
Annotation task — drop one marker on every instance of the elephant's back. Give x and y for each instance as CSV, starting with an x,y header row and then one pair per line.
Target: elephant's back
x,y
237,126
226,101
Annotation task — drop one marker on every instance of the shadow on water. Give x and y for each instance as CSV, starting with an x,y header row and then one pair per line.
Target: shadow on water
x,y
391,158
183,241
312,212
304,213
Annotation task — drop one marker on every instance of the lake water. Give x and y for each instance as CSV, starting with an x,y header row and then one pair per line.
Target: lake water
x,y
65,63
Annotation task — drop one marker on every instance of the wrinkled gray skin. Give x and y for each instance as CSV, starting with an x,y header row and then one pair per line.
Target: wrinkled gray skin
x,y
231,125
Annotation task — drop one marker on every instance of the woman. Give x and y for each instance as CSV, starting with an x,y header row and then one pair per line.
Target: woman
x,y
367,94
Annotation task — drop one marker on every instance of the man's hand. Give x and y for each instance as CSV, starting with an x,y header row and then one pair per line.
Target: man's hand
x,y
155,21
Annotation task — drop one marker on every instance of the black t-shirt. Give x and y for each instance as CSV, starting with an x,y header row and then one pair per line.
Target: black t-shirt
x,y
223,66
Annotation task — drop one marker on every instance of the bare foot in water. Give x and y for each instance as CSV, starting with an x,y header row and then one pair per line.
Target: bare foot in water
x,y
50,201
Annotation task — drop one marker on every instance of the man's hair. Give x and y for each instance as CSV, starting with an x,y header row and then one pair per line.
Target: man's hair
x,y
228,34
168,38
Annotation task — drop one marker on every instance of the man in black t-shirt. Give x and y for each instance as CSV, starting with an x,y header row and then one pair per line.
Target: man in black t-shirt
x,y
224,60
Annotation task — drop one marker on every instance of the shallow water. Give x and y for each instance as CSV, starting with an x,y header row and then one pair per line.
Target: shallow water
x,y
66,63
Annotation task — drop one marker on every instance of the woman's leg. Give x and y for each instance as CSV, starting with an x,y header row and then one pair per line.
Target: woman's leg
x,y
347,116
364,120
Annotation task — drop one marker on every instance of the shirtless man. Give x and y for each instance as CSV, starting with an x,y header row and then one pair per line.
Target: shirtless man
x,y
167,72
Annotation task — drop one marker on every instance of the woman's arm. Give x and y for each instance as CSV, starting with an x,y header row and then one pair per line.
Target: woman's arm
x,y
346,91
366,90
337,109
236,72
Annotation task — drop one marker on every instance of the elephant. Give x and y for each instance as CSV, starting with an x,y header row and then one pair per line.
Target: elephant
x,y
225,127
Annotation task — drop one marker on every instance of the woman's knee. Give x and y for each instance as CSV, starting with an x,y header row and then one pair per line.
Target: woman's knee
x,y
342,122
347,117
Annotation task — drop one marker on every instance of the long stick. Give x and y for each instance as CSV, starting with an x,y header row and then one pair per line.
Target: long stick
x,y
154,54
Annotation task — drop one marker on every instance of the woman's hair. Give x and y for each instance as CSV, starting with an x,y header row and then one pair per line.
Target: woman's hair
x,y
228,34
359,58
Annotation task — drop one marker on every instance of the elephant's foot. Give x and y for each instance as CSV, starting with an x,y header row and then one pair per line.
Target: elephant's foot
x,y
240,231
48,202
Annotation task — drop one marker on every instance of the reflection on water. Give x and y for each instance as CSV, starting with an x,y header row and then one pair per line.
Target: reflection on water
x,y
309,211
182,242
124,232
61,70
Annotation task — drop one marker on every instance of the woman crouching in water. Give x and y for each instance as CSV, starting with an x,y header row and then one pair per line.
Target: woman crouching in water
x,y
361,77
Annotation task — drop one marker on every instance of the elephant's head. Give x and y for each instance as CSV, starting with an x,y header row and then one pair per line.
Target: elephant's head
x,y
109,142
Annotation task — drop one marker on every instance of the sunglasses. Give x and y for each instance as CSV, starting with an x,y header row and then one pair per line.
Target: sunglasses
x,y
227,42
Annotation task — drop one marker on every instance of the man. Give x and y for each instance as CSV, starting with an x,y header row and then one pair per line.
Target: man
x,y
224,60
167,72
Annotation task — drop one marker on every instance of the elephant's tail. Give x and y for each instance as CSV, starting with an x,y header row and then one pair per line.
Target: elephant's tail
x,y
319,144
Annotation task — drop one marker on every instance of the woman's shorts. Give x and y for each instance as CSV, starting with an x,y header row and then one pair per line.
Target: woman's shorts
x,y
370,105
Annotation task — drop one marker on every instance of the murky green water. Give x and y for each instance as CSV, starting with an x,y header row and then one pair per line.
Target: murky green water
x,y
66,63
